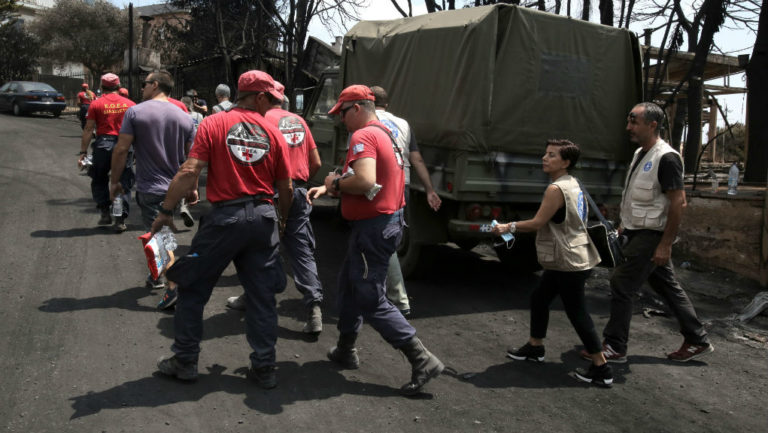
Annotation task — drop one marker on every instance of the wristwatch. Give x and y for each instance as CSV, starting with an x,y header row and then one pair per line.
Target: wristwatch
x,y
335,184
165,211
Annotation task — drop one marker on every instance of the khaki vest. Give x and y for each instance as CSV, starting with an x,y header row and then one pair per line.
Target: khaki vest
x,y
643,204
566,246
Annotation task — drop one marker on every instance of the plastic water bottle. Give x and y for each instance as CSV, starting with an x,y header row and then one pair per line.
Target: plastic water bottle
x,y
117,207
733,179
713,178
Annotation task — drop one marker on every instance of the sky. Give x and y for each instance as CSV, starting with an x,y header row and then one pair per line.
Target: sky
x,y
731,41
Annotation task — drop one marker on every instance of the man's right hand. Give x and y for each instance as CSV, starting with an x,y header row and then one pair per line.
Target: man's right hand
x,y
315,192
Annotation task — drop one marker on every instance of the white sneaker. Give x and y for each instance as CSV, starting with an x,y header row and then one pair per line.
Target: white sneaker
x,y
236,302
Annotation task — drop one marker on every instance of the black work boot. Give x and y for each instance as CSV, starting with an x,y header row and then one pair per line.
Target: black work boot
x,y
425,366
106,218
344,353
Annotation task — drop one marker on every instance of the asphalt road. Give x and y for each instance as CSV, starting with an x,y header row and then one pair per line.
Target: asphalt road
x,y
80,337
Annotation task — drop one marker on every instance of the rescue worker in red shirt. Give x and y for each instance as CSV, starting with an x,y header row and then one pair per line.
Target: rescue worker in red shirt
x,y
84,99
299,239
105,114
247,162
371,188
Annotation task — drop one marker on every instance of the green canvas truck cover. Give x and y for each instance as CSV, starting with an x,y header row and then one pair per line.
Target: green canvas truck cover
x,y
502,78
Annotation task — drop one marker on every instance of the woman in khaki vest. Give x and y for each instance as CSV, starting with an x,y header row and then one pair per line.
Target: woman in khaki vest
x,y
567,255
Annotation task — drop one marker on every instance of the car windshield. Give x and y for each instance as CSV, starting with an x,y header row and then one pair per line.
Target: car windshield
x,y
37,87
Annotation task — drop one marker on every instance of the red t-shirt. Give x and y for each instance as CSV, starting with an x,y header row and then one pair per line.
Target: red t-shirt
x,y
297,137
108,112
372,142
245,154
86,98
179,104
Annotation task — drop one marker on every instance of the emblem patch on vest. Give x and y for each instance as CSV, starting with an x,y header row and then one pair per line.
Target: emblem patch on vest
x,y
647,166
248,143
391,126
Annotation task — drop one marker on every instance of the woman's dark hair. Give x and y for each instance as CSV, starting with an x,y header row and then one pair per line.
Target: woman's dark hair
x,y
569,150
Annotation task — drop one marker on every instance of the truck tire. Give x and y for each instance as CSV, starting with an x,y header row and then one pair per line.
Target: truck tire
x,y
521,258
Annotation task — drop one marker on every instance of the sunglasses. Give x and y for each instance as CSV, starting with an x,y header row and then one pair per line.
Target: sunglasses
x,y
144,83
343,111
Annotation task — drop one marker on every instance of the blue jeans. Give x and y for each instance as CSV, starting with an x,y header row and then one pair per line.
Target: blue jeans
x,y
362,280
150,207
246,234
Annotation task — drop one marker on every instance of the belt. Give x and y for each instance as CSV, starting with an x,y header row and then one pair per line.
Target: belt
x,y
265,198
298,183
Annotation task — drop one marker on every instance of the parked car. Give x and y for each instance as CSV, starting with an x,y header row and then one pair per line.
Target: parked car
x,y
23,97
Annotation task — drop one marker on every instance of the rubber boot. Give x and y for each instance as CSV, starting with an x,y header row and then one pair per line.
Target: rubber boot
x,y
424,366
344,353
314,323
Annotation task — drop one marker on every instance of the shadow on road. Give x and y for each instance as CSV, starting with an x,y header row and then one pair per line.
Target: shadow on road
x,y
125,299
525,374
317,380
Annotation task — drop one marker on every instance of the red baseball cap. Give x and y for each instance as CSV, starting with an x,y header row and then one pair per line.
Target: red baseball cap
x,y
280,88
258,81
110,80
84,85
123,91
355,92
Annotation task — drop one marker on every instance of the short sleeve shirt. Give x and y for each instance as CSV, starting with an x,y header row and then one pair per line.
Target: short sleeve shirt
x,y
373,142
298,138
86,98
245,155
160,132
108,112
179,104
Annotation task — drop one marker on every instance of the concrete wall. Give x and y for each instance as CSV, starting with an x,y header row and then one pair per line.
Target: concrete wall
x,y
724,231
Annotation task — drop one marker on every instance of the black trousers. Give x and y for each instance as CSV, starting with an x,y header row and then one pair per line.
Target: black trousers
x,y
570,287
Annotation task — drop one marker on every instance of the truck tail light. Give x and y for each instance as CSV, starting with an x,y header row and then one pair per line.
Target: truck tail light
x,y
449,186
495,212
474,212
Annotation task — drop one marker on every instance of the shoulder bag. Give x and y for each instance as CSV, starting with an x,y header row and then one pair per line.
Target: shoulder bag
x,y
604,236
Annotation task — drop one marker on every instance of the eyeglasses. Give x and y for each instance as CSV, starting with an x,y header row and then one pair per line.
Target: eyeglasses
x,y
344,110
144,83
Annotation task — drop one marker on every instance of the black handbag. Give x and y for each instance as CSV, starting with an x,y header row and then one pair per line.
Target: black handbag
x,y
604,236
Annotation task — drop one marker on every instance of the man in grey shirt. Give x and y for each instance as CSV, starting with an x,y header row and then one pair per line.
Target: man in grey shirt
x,y
161,136
222,95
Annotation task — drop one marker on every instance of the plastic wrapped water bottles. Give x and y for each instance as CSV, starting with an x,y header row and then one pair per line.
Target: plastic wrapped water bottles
x,y
733,179
117,207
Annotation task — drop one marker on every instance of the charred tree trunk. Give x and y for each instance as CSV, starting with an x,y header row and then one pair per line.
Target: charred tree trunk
x,y
606,12
714,11
678,125
757,104
223,49
586,6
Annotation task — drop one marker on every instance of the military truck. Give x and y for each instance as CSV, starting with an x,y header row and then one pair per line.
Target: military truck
x,y
483,89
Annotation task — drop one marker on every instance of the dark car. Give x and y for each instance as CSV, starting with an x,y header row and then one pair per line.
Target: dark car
x,y
30,96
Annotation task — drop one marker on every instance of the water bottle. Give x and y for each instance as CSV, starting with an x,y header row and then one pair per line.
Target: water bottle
x,y
733,179
713,179
117,207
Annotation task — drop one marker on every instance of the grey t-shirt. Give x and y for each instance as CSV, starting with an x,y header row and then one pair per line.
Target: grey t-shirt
x,y
222,106
160,130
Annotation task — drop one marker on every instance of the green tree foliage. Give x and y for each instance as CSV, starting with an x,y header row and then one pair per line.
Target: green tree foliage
x,y
18,49
74,31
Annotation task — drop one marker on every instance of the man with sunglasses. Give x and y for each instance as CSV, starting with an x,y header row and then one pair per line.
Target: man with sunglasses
x,y
371,187
247,163
161,136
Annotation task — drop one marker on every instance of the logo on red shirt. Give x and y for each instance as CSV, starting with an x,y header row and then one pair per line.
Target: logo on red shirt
x,y
292,130
247,143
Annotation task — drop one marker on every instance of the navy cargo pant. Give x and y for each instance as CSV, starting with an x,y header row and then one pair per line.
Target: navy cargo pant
x,y
99,172
299,242
362,280
246,234
625,285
